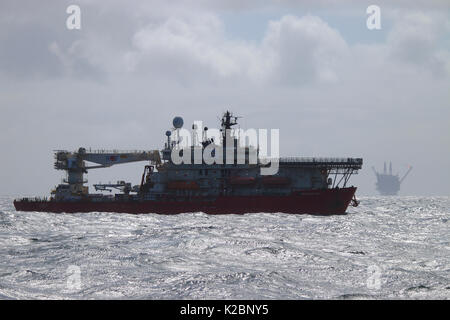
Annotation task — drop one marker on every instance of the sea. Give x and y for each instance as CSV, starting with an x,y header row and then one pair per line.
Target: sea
x,y
386,248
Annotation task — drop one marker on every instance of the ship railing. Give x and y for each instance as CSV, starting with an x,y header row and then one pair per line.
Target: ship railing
x,y
115,151
355,163
34,199
321,159
105,151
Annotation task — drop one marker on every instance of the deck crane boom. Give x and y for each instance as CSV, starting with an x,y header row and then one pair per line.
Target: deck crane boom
x,y
74,163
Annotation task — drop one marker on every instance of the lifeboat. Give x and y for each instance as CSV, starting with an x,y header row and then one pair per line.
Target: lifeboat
x,y
275,181
184,185
242,180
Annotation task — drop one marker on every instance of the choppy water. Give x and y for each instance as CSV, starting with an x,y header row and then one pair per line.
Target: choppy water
x,y
388,248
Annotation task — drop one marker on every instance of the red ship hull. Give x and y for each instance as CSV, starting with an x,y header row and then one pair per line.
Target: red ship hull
x,y
326,202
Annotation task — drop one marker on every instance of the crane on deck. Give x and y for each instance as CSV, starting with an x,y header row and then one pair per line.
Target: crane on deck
x,y
74,163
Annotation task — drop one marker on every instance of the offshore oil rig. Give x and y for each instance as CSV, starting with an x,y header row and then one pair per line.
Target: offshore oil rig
x,y
387,183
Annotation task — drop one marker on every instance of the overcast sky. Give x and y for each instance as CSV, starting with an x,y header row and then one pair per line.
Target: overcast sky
x,y
313,70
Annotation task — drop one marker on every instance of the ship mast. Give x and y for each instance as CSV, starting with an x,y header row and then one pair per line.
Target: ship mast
x,y
228,120
229,141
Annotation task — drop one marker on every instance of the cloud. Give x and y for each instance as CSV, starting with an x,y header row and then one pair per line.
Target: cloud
x,y
192,48
414,41
294,50
304,49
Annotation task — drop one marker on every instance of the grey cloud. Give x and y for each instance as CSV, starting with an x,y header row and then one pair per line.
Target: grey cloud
x,y
191,47
305,49
294,50
414,40
24,52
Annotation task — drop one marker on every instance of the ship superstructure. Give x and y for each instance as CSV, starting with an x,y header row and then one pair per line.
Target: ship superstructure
x,y
176,180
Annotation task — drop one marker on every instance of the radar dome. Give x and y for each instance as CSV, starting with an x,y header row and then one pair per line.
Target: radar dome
x,y
168,133
177,122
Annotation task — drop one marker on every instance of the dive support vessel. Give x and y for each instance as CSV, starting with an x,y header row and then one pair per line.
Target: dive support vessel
x,y
229,180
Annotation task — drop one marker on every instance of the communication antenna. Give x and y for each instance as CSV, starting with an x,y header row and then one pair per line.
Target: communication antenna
x,y
177,124
205,134
194,134
168,134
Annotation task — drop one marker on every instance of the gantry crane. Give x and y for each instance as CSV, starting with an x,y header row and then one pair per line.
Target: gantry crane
x,y
74,163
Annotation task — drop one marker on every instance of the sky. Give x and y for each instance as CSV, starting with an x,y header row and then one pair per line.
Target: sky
x,y
311,69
